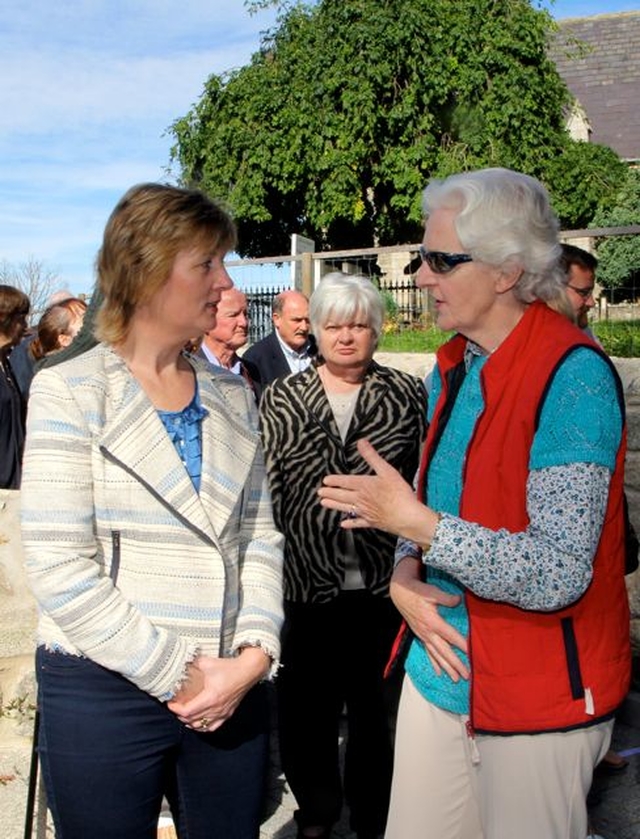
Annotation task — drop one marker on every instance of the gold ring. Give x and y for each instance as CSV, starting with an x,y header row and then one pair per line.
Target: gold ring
x,y
353,513
204,724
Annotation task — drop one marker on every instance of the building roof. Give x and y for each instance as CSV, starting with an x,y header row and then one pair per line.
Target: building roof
x,y
604,76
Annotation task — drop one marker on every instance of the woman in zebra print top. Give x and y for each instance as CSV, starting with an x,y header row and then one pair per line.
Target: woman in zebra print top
x,y
339,621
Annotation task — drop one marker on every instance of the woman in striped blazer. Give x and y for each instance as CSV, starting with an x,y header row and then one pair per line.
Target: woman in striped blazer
x,y
151,547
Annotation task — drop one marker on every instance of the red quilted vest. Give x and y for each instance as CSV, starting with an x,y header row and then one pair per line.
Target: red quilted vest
x,y
535,671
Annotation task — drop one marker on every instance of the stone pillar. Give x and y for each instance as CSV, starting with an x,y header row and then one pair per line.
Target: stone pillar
x,y
629,370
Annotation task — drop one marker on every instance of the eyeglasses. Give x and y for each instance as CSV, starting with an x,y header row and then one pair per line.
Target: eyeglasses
x,y
442,263
585,293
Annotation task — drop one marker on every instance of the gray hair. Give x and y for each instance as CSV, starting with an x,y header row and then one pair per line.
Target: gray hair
x,y
343,297
504,219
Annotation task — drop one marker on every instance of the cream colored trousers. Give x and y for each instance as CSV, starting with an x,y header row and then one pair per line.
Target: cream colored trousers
x,y
447,785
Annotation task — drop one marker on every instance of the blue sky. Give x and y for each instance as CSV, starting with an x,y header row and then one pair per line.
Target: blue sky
x,y
89,88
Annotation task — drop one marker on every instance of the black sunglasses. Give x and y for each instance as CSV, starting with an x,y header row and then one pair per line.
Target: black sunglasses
x,y
440,262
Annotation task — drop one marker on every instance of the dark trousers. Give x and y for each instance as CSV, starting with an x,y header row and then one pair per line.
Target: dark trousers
x,y
334,655
110,752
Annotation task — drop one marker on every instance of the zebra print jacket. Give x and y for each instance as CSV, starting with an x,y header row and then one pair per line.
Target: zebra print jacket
x,y
302,444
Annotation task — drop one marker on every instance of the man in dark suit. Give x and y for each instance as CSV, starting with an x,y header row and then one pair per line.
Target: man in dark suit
x,y
221,344
289,348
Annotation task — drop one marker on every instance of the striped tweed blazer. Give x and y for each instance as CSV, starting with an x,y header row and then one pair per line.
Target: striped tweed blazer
x,y
302,445
131,566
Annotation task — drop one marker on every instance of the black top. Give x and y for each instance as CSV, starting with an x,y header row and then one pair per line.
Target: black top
x,y
13,411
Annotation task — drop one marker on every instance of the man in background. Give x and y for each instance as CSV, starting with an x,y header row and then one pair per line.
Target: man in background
x,y
290,348
221,344
580,271
580,280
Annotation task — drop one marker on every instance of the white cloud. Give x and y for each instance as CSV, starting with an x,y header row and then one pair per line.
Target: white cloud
x,y
143,76
89,89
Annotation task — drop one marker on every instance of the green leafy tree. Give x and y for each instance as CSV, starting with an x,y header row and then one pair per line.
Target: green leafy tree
x,y
583,179
619,256
350,106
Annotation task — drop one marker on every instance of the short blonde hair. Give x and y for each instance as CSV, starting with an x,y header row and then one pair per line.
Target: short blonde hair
x,y
147,229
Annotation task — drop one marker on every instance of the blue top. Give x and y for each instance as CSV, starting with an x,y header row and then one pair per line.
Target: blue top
x,y
184,430
580,423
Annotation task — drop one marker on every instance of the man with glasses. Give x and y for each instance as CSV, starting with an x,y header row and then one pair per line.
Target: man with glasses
x,y
580,270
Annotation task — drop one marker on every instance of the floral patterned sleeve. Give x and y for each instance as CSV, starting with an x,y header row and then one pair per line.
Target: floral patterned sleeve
x,y
547,566
405,548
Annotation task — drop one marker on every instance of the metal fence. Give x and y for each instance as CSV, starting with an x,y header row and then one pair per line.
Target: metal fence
x,y
405,307
260,302
391,268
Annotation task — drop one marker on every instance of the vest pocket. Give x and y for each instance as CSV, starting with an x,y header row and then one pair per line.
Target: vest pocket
x,y
573,659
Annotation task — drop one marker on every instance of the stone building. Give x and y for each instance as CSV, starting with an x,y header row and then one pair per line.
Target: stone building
x,y
599,59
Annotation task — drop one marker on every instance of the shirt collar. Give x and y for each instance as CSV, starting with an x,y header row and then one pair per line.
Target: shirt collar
x,y
291,353
213,359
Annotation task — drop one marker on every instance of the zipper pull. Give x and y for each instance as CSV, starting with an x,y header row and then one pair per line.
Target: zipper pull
x,y
473,746
588,702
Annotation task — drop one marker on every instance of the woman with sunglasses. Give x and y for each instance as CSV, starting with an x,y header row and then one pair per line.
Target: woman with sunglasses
x,y
510,569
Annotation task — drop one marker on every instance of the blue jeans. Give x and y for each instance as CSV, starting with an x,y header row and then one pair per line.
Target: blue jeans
x,y
109,753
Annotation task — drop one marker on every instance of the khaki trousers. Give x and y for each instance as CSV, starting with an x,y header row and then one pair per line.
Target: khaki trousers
x,y
434,792
447,785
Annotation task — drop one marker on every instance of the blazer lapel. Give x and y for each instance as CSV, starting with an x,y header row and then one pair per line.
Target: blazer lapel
x,y
135,438
374,389
313,395
229,442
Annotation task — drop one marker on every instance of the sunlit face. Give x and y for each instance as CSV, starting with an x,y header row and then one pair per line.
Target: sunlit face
x,y
464,298
232,323
580,293
187,303
346,345
293,323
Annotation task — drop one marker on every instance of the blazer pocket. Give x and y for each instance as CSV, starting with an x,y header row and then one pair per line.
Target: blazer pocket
x,y
115,555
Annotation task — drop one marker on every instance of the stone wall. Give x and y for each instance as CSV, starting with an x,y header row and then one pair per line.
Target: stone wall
x,y
18,610
17,693
629,370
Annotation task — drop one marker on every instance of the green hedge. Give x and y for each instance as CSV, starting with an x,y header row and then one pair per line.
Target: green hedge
x,y
620,339
413,340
